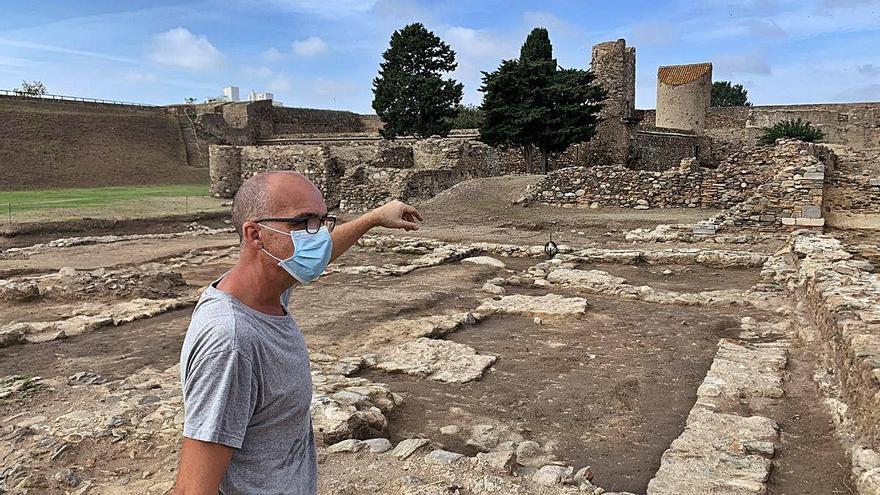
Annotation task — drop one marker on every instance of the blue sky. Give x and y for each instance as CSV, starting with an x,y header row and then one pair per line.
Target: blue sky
x,y
325,53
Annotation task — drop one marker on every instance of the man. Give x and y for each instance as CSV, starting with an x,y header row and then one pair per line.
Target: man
x,y
244,365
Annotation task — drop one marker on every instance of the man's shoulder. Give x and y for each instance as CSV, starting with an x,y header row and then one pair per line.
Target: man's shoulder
x,y
213,327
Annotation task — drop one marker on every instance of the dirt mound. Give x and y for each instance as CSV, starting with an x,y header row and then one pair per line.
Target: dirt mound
x,y
483,194
71,144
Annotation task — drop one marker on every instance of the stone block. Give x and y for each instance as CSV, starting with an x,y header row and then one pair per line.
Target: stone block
x,y
874,182
788,221
705,228
408,447
810,222
811,211
443,457
814,175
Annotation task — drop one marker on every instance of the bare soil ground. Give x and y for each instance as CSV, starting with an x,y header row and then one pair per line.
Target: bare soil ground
x,y
808,461
609,389
483,210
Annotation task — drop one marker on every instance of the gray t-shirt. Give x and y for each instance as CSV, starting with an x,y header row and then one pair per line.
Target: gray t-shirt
x,y
247,384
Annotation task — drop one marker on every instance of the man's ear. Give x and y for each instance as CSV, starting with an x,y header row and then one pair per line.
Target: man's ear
x,y
251,235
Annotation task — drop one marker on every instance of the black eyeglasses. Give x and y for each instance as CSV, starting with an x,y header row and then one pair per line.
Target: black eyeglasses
x,y
311,223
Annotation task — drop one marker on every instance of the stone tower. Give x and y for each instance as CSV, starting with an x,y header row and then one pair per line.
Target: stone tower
x,y
614,65
684,93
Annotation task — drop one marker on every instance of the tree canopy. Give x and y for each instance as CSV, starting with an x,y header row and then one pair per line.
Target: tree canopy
x,y
724,94
533,104
33,88
410,94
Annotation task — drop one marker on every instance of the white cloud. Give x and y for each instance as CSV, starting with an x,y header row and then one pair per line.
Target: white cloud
x,y
179,47
477,50
765,28
261,71
17,62
403,12
332,88
843,4
272,54
68,51
475,43
310,47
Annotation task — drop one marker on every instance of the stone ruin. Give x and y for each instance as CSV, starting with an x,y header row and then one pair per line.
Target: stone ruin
x,y
684,154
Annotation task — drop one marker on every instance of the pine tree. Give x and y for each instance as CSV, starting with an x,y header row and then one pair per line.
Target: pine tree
x,y
410,95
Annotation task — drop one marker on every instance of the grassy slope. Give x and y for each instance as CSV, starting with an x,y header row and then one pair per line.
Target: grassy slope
x,y
107,202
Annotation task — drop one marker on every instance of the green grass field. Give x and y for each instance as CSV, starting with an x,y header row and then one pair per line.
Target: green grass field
x,y
106,202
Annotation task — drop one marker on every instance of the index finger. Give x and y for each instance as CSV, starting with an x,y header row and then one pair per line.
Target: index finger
x,y
413,211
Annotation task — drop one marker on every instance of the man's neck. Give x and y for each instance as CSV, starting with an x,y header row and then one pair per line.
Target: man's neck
x,y
257,290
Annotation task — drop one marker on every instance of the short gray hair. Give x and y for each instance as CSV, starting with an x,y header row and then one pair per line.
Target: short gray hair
x,y
251,202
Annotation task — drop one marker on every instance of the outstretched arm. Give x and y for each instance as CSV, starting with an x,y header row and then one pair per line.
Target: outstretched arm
x,y
202,465
394,215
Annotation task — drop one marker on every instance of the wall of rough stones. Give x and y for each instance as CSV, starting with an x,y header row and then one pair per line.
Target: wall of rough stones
x,y
687,185
765,187
356,176
836,297
793,196
614,65
852,190
852,124
657,149
311,120
224,169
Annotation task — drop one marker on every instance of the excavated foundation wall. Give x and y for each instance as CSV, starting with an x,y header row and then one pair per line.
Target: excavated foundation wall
x,y
852,191
357,176
768,187
838,302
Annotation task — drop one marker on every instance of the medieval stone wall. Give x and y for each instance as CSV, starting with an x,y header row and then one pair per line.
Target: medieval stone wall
x,y
663,149
356,176
852,124
315,121
224,170
255,116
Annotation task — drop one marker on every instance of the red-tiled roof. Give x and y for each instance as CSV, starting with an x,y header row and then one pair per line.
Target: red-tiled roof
x,y
676,75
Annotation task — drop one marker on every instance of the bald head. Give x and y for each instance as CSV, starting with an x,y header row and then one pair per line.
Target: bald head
x,y
274,194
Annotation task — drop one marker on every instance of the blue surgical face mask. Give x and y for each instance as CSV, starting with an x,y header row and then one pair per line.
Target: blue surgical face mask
x,y
311,254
